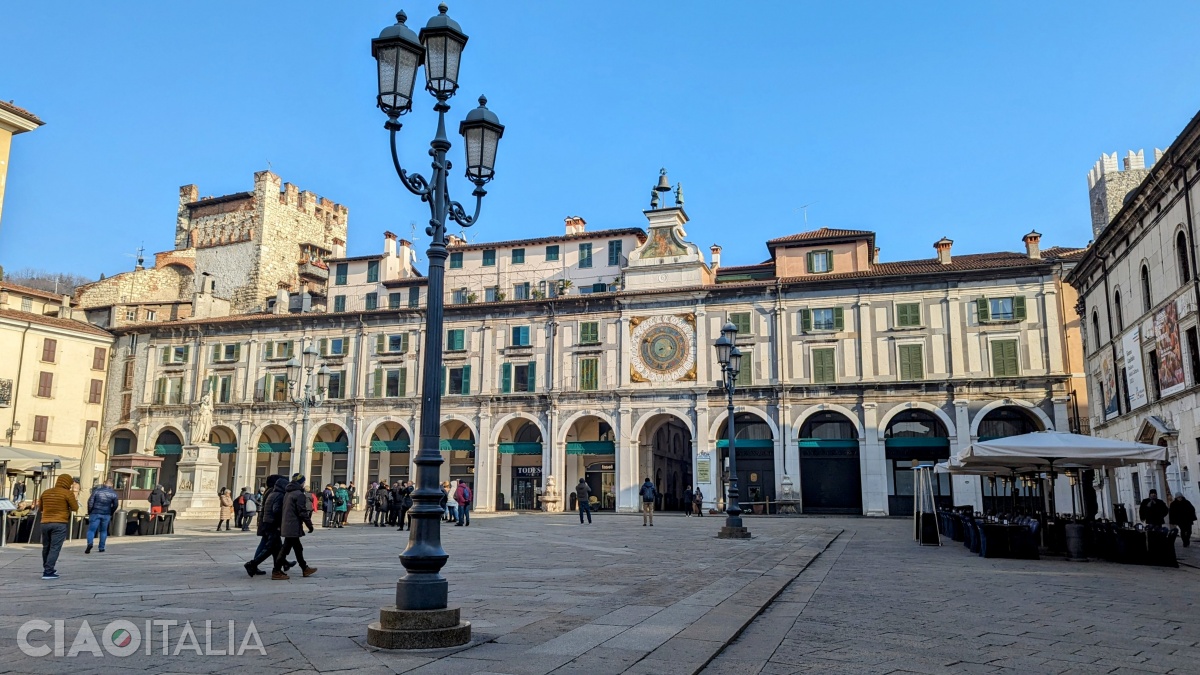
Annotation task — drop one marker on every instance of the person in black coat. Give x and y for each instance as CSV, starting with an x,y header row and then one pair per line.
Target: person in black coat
x,y
295,515
406,503
688,498
381,498
269,542
1152,510
397,498
1182,515
327,507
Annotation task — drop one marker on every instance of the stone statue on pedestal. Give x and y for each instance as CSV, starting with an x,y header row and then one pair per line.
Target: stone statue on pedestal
x,y
201,420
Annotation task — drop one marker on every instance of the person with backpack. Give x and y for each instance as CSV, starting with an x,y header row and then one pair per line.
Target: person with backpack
x,y
341,505
464,496
249,508
698,502
382,505
649,494
101,505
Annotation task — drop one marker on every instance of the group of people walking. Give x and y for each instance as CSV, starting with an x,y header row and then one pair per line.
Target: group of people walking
x,y
1181,514
286,513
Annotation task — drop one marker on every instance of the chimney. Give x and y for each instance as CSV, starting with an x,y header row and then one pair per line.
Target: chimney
x,y
405,251
454,240
1031,245
281,300
575,225
716,256
339,248
389,245
943,250
875,259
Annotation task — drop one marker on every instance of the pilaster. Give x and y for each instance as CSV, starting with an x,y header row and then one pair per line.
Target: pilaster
x,y
873,464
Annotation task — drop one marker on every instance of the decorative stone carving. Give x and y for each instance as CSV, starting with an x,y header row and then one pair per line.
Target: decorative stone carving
x,y
201,420
551,498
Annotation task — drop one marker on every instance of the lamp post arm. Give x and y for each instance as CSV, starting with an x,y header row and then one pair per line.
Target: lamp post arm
x,y
415,182
458,214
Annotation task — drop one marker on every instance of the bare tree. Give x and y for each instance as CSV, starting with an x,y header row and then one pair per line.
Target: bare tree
x,y
53,282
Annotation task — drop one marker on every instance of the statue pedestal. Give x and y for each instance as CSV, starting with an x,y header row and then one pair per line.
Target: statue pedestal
x,y
196,486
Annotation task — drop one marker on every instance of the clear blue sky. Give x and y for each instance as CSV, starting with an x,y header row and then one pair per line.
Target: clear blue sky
x,y
977,121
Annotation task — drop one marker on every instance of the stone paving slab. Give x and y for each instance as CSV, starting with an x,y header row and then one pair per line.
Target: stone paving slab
x,y
875,602
543,593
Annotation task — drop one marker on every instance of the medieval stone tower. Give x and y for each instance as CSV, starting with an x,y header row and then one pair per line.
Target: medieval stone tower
x,y
253,243
1108,186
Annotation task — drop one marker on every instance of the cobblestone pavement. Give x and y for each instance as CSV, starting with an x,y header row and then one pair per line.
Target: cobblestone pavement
x,y
875,602
543,594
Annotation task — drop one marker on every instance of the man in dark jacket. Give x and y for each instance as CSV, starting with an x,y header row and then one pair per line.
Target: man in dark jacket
x,y
397,496
1182,515
649,494
101,507
370,510
688,496
327,506
1153,511
295,516
406,503
269,520
583,495
464,497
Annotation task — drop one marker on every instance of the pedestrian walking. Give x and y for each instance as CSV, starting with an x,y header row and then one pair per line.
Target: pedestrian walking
x,y
383,505
56,506
269,542
464,497
649,494
249,509
295,516
239,509
698,502
583,495
1152,510
341,505
1182,515
688,500
226,509
159,501
102,504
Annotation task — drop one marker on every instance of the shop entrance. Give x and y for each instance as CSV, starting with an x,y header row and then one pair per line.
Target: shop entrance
x,y
830,478
602,481
755,447
525,480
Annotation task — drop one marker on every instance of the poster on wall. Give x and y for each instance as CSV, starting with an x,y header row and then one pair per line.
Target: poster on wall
x,y
1170,352
1109,380
703,470
1135,379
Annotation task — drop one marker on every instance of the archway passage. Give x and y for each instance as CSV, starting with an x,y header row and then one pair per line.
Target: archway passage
x,y
226,441
591,455
274,453
457,443
329,456
519,471
830,476
755,447
666,458
1008,420
915,437
391,451
168,446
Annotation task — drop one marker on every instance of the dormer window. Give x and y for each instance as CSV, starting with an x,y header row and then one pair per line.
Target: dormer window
x,y
820,262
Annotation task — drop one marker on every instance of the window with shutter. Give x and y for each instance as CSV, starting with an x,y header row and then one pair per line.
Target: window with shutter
x,y
1001,309
127,380
49,349
824,368
40,425
531,377
98,358
1005,362
377,384
614,253
839,322
455,341
912,364
908,315
340,274
589,333
551,253
740,320
414,297
518,256
805,320
489,257
392,383
745,377
520,336
456,260
585,256
404,381
372,271
97,390
394,300
466,380
372,301
589,374
45,384
824,319
506,378
1018,305
981,306
339,303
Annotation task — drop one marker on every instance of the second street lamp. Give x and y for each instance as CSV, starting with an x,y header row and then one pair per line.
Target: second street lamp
x,y
306,395
730,358
421,617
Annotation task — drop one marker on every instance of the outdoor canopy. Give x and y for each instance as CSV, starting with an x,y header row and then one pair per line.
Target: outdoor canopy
x,y
1057,449
21,458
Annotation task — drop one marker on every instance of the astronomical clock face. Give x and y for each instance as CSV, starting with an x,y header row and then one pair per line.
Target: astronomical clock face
x,y
662,350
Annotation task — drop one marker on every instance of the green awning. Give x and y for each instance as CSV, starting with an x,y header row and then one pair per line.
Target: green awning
x,y
163,450
520,448
227,448
917,442
826,442
590,448
747,443
334,447
274,447
459,444
389,446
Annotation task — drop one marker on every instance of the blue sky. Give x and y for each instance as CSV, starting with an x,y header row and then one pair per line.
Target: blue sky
x,y
976,121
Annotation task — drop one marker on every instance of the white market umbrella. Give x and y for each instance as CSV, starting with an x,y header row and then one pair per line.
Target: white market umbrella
x,y
1051,448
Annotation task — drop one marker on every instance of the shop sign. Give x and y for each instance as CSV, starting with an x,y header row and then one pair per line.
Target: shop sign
x,y
527,470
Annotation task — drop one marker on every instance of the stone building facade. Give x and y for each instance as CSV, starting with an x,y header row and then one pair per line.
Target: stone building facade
x,y
236,250
1138,295
854,368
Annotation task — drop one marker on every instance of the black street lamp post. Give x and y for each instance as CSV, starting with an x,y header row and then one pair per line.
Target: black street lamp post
x,y
421,618
730,358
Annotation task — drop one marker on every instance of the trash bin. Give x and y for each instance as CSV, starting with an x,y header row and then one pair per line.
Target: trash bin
x,y
131,522
168,523
145,526
1076,550
116,526
1120,514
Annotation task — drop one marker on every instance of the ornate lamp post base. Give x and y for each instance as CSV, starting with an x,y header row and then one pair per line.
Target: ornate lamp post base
x,y
418,629
733,530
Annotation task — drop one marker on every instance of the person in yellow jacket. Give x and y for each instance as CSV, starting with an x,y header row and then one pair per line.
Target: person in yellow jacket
x,y
56,506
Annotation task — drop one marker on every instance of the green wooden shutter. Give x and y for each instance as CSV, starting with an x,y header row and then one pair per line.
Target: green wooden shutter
x,y
291,346
270,349
506,378
166,354
808,261
404,382
404,343
380,343
216,353
1019,307
214,384
466,380
266,395
917,359
532,381
187,349
160,390
378,390
984,313
905,363
324,348
838,319
805,320
345,345
237,352
1011,362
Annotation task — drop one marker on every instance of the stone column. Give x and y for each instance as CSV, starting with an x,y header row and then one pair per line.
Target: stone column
x,y
557,455
967,489
705,458
486,489
244,459
626,458
873,462
866,343
196,489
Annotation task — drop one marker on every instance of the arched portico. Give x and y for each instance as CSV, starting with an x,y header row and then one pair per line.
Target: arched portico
x,y
590,444
168,444
664,441
830,468
754,436
330,454
226,441
272,445
459,447
519,472
391,449
913,436
1009,417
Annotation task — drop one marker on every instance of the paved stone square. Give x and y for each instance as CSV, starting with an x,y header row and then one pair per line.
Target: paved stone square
x,y
545,595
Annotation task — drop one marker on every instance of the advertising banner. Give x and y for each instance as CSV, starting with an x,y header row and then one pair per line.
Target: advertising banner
x,y
1135,378
1109,379
1170,351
